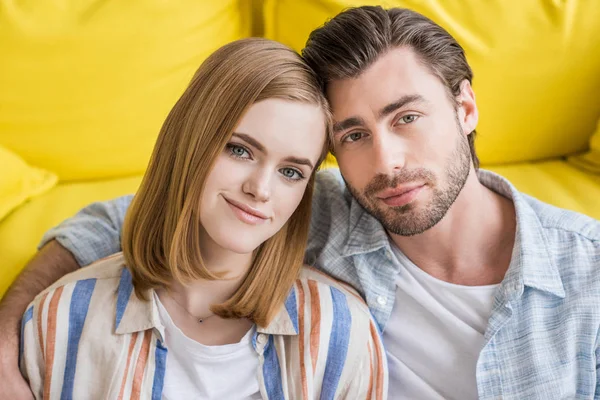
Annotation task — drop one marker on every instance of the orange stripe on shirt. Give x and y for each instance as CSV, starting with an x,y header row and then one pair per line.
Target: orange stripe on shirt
x,y
132,342
51,339
301,338
370,390
140,366
39,324
315,322
375,336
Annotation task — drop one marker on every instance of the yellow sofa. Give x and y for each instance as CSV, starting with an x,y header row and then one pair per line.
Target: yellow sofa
x,y
85,86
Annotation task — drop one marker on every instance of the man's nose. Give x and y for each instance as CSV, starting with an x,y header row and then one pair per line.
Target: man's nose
x,y
388,153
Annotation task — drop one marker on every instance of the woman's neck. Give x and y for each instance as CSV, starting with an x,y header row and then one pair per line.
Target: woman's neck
x,y
198,295
188,303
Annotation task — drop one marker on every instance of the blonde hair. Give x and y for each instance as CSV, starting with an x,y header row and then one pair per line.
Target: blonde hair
x,y
161,232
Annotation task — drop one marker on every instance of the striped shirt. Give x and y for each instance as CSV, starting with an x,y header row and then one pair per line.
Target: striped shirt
x,y
89,336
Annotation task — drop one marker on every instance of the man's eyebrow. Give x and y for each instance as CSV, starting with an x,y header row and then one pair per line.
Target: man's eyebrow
x,y
385,111
300,161
250,140
347,124
401,102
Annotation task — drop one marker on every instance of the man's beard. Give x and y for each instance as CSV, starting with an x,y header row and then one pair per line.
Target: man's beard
x,y
405,220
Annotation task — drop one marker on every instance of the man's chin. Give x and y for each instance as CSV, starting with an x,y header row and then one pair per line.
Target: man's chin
x,y
407,222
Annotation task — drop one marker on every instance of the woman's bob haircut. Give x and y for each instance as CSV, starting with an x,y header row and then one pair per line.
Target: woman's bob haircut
x,y
162,228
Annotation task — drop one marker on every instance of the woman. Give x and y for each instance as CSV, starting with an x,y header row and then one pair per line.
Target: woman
x,y
209,298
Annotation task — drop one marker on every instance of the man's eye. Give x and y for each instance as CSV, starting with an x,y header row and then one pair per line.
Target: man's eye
x,y
352,137
407,119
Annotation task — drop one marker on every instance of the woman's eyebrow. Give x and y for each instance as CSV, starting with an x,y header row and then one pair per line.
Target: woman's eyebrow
x,y
300,161
250,140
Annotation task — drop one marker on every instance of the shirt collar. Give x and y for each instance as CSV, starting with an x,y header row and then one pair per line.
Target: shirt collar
x,y
531,264
366,234
286,320
132,313
135,315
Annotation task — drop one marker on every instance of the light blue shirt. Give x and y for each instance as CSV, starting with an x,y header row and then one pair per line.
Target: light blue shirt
x,y
542,337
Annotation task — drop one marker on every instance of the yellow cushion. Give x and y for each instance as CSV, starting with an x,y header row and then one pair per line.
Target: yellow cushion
x,y
85,85
558,183
20,182
590,160
536,65
21,231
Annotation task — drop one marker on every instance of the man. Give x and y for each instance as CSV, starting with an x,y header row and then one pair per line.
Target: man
x,y
481,291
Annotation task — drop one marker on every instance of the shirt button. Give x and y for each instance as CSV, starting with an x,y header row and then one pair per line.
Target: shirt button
x,y
381,300
262,338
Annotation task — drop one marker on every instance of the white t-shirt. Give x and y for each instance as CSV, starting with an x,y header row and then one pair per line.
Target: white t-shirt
x,y
434,335
196,371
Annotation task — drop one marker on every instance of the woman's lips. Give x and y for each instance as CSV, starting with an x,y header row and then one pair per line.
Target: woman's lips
x,y
246,214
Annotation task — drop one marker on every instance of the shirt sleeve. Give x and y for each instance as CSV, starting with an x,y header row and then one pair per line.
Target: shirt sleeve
x,y
597,391
31,356
94,232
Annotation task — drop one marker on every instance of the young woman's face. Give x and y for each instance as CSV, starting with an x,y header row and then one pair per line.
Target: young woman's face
x,y
261,175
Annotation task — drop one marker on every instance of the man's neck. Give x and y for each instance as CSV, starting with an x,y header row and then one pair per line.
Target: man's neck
x,y
472,245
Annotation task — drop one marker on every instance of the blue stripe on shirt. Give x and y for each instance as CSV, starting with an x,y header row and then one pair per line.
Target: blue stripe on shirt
x,y
159,371
123,294
338,344
26,318
272,372
80,302
292,308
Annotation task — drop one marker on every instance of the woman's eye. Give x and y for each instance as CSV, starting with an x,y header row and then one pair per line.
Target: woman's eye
x,y
291,174
407,119
238,151
353,137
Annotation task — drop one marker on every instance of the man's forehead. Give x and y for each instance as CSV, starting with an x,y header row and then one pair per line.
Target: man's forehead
x,y
395,74
400,62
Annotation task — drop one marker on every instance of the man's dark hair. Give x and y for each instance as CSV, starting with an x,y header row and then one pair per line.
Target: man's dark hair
x,y
353,40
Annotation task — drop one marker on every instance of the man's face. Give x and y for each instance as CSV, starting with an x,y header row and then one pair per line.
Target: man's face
x,y
401,142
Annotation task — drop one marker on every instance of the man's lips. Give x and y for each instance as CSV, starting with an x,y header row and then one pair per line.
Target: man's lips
x,y
400,196
246,213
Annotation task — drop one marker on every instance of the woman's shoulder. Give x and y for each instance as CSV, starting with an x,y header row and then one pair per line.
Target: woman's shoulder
x,y
108,271
106,268
331,293
339,338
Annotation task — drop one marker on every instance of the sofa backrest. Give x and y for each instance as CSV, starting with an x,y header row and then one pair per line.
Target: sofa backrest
x,y
85,85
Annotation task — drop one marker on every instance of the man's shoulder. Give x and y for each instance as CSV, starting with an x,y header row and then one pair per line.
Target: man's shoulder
x,y
331,210
565,223
330,187
331,178
573,244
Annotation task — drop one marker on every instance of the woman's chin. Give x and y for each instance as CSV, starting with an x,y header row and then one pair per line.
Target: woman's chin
x,y
238,246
